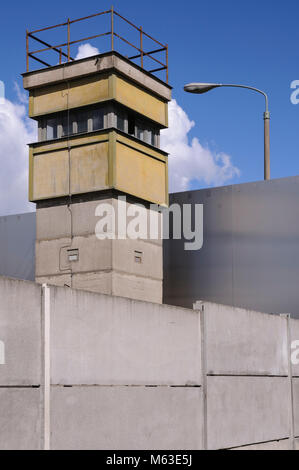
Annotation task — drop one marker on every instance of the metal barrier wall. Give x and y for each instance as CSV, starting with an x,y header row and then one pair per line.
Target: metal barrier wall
x,y
250,253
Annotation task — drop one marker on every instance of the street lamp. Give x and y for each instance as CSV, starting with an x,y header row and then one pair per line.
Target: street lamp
x,y
201,88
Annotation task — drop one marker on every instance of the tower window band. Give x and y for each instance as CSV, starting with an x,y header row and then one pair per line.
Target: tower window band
x,y
83,120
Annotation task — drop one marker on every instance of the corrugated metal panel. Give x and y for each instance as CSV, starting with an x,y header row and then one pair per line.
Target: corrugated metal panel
x,y
17,246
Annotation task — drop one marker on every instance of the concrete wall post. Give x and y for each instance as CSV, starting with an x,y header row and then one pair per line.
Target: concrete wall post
x,y
199,307
46,365
287,317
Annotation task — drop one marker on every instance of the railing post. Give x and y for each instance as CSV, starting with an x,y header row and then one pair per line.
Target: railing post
x,y
27,51
60,57
68,39
141,46
112,28
166,63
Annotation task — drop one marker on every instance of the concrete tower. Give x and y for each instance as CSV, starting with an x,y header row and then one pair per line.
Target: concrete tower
x,y
99,121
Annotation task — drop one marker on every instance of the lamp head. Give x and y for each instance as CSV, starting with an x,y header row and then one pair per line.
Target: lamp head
x,y
200,88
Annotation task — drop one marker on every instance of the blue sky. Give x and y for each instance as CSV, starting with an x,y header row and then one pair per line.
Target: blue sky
x,y
228,41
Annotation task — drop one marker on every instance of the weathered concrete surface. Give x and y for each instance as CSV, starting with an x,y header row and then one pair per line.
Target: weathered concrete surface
x,y
62,280
123,258
51,257
106,266
133,373
244,410
17,246
110,283
296,405
55,222
126,418
294,333
20,332
98,339
93,282
243,342
284,444
20,418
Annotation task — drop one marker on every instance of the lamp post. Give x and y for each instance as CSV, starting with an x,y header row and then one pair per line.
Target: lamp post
x,y
201,88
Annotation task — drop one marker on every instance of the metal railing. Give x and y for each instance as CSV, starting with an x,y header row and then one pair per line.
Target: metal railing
x,y
64,49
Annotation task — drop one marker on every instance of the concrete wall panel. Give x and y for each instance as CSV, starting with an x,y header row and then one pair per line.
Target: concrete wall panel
x,y
296,405
126,418
294,326
98,339
20,332
17,242
53,222
51,257
20,419
243,342
245,410
58,97
141,101
140,175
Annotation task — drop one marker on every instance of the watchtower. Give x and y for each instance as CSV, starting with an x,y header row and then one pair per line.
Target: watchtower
x,y
99,121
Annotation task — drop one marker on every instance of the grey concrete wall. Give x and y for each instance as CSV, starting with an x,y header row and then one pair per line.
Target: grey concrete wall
x,y
126,374
244,342
126,418
100,339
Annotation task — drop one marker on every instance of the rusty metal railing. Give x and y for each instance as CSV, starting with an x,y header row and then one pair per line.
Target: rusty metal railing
x,y
64,49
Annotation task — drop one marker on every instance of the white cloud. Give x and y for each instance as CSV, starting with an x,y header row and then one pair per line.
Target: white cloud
x,y
22,97
16,131
190,161
86,50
